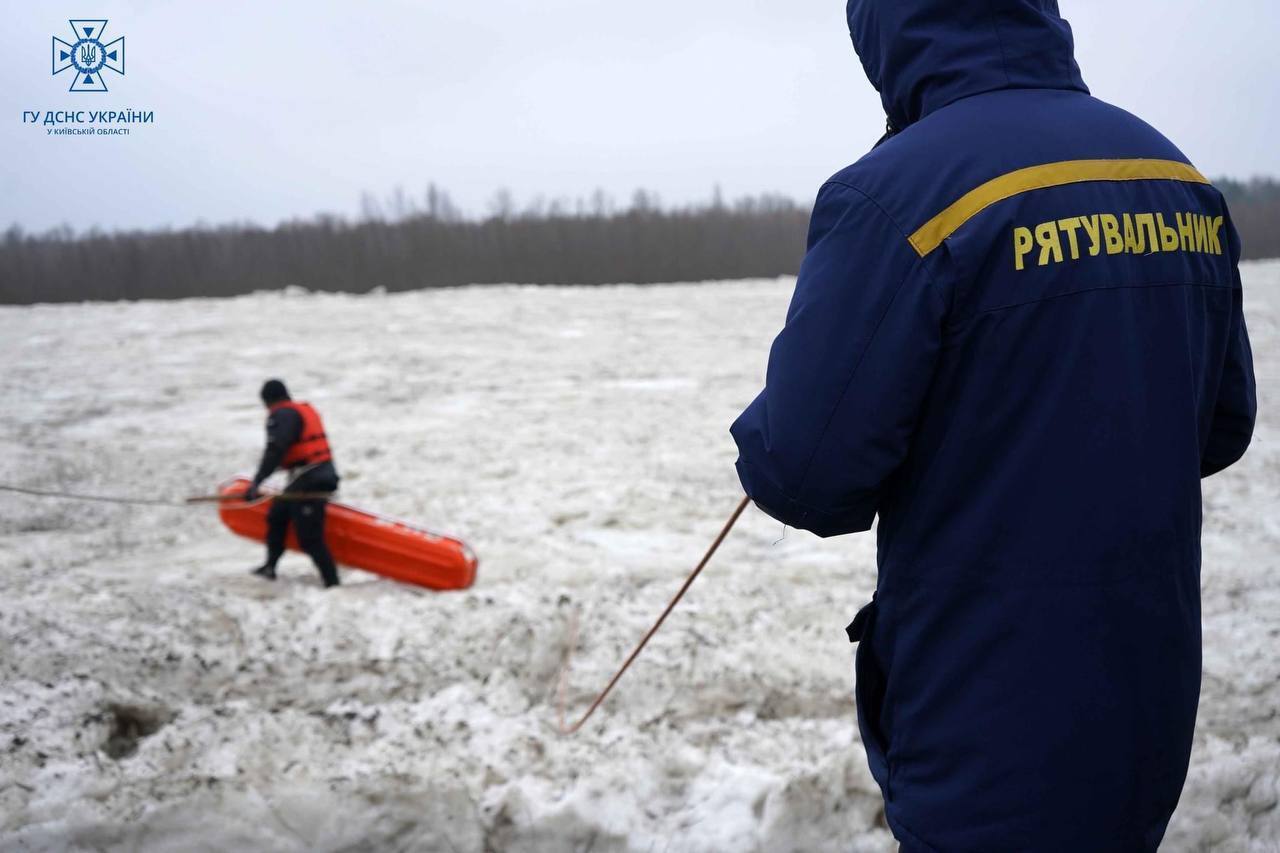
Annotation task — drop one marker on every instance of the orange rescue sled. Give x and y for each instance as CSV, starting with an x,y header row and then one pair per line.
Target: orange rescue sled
x,y
366,541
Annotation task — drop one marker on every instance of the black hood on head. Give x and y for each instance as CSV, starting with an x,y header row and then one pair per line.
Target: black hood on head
x,y
273,391
924,54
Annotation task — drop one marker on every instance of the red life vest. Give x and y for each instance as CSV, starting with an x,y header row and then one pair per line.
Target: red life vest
x,y
312,445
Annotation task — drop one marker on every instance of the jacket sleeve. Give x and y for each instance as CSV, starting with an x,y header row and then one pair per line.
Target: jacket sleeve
x,y
284,427
847,375
1236,408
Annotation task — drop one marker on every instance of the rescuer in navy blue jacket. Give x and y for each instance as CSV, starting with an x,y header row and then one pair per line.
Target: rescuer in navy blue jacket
x,y
1017,338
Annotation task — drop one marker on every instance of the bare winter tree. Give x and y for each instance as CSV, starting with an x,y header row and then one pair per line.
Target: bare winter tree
x,y
503,205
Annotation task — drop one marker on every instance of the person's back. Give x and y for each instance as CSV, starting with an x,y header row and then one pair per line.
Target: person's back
x,y
1018,338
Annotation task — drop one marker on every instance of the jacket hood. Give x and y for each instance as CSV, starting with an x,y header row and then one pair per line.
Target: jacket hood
x,y
273,391
924,54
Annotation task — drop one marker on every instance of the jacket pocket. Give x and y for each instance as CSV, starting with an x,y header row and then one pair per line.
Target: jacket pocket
x,y
869,688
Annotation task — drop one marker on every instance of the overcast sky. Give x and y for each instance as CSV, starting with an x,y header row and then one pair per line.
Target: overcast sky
x,y
269,110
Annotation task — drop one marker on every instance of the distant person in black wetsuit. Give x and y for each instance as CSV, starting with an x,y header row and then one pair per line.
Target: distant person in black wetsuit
x,y
296,441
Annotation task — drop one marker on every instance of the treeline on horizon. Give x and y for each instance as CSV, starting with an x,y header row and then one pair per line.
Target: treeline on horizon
x,y
1255,210
408,244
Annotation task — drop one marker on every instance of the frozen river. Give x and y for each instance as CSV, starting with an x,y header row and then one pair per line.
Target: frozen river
x,y
154,696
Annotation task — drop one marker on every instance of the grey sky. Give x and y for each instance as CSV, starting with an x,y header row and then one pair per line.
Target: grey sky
x,y
273,110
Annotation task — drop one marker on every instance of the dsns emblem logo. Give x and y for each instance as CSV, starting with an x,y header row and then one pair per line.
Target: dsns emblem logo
x,y
88,56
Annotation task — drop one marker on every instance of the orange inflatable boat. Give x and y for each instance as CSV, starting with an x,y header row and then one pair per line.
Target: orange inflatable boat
x,y
366,541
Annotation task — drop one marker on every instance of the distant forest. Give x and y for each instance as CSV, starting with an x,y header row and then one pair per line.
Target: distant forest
x,y
404,243
1255,209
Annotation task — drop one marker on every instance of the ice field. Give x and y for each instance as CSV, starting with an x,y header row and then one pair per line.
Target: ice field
x,y
154,696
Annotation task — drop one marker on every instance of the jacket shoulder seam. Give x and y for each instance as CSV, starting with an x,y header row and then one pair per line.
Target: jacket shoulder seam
x,y
915,267
877,205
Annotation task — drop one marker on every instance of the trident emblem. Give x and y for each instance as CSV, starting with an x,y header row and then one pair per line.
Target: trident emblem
x,y
88,55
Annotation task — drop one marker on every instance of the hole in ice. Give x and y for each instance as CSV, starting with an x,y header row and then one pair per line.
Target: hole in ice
x,y
129,724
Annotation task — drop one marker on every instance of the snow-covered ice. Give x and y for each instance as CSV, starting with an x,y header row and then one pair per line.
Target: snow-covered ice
x,y
153,696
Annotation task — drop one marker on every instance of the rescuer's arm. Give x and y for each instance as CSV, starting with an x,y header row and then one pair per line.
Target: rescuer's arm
x,y
1237,404
846,376
284,427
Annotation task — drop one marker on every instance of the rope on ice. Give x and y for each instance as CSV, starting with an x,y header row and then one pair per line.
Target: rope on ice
x,y
573,634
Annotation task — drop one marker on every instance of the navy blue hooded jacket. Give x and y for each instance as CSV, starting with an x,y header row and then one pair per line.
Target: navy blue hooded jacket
x,y
1017,338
